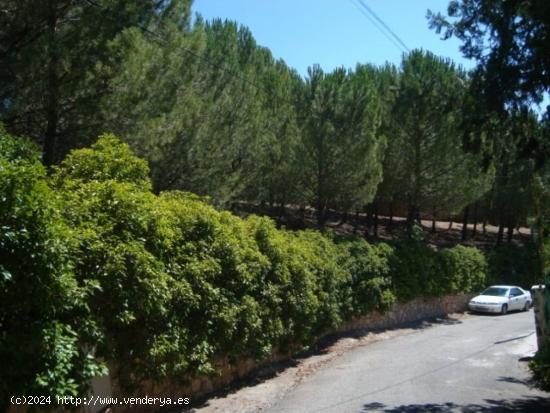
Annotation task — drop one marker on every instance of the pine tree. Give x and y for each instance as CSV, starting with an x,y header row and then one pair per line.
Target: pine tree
x,y
50,55
341,150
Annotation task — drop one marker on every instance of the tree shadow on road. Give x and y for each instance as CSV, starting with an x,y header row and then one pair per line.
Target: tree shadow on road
x,y
526,404
323,346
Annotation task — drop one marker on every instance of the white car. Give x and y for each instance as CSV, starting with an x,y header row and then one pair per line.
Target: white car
x,y
501,299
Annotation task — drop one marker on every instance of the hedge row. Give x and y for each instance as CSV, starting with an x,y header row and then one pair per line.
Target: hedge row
x,y
513,264
419,270
95,269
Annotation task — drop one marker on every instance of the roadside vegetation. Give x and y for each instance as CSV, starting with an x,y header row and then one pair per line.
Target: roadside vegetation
x,y
117,252
99,271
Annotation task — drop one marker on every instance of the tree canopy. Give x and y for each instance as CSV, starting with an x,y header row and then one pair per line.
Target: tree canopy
x,y
510,40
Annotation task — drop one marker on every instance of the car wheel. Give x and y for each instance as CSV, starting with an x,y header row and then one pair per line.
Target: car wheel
x,y
504,309
527,306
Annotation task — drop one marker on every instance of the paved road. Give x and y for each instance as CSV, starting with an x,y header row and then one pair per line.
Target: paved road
x,y
468,365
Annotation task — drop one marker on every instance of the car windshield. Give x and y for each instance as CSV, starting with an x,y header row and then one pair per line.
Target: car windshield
x,y
495,291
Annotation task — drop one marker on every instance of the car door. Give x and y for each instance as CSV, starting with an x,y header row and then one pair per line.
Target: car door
x,y
517,299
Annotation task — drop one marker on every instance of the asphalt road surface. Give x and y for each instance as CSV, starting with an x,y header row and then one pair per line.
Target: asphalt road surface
x,y
471,364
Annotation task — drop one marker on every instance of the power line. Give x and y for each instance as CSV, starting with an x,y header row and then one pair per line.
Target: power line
x,y
402,44
395,36
368,16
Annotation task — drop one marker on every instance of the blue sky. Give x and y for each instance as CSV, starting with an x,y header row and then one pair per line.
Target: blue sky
x,y
334,33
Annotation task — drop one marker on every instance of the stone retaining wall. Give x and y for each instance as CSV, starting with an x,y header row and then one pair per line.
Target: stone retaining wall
x,y
414,310
400,314
229,372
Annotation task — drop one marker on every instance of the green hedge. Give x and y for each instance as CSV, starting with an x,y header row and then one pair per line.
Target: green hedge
x,y
463,268
420,270
513,264
94,266
42,307
368,267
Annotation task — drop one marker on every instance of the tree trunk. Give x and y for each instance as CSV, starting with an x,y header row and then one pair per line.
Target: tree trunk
x,y
434,218
302,215
501,208
369,217
321,217
52,112
321,211
344,218
500,235
414,214
282,210
510,233
411,215
474,230
450,224
417,217
538,223
390,223
375,216
487,211
465,224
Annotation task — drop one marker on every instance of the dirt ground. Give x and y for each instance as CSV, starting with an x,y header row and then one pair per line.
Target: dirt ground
x,y
447,233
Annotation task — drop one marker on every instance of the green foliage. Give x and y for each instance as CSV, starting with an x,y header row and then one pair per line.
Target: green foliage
x,y
425,161
303,288
414,270
368,267
463,269
106,159
52,77
507,39
513,264
161,285
170,273
156,97
540,366
340,151
41,304
122,234
419,270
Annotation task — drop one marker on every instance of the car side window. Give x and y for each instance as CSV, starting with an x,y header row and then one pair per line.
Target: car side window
x,y
515,292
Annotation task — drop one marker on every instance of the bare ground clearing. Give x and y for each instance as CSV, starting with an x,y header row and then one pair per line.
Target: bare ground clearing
x,y
447,233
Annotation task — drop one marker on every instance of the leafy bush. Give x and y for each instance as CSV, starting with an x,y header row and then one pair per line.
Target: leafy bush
x,y
513,264
463,269
540,366
41,304
369,270
171,273
212,255
107,159
124,238
419,270
130,288
415,271
161,285
319,256
302,291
